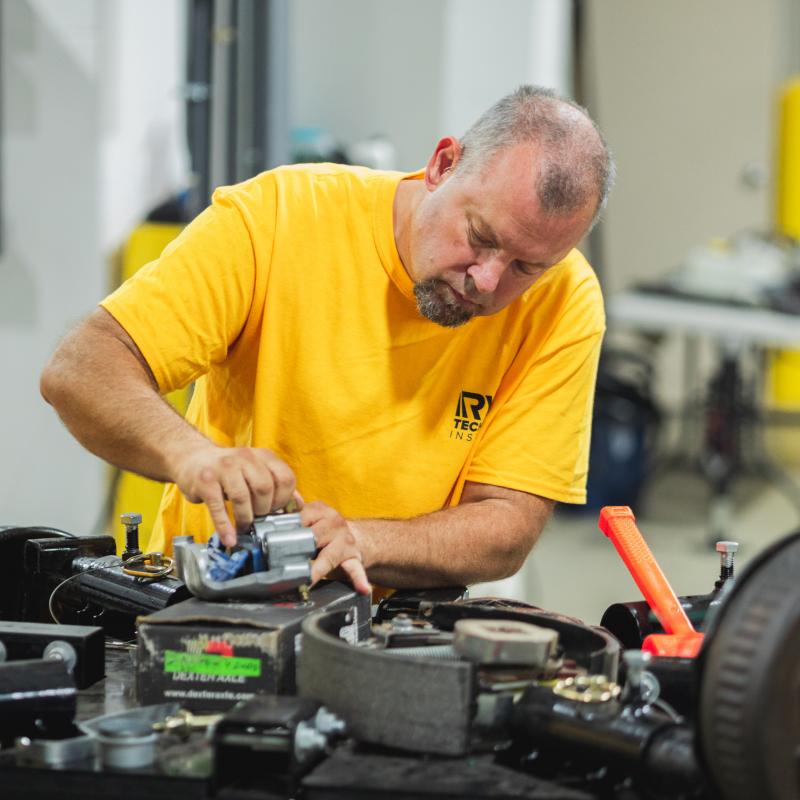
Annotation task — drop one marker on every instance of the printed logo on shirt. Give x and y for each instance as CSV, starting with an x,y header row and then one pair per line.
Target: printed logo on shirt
x,y
471,410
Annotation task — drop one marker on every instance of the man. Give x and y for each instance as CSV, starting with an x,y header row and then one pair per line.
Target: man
x,y
415,354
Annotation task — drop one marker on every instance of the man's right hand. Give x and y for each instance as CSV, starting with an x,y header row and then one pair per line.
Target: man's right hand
x,y
255,481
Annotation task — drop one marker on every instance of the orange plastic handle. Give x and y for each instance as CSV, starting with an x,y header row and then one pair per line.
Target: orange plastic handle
x,y
619,524
662,644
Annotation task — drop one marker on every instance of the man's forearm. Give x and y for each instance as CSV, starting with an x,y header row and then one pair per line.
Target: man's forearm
x,y
479,540
109,402
104,391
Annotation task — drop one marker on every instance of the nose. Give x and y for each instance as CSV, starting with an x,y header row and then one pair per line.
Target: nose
x,y
487,272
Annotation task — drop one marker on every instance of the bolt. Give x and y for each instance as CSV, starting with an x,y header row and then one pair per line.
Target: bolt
x,y
636,662
402,622
131,521
328,723
727,553
641,686
58,650
308,740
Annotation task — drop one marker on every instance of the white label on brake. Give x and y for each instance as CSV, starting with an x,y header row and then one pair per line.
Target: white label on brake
x,y
350,632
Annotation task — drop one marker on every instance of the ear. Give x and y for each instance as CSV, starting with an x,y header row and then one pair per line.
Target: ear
x,y
444,159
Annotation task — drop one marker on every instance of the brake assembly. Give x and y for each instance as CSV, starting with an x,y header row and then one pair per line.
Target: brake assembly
x,y
271,558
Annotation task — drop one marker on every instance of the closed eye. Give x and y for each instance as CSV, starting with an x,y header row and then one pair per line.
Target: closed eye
x,y
530,270
478,240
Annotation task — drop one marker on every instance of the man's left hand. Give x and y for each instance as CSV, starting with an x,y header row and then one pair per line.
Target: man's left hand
x,y
339,550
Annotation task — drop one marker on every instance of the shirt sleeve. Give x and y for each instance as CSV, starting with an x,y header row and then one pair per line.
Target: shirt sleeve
x,y
186,309
537,436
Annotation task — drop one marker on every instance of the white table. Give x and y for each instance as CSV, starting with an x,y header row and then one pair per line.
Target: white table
x,y
734,330
657,313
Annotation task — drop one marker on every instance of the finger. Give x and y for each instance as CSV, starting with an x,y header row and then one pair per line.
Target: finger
x,y
323,534
283,479
238,492
341,547
357,574
314,512
298,499
261,485
327,528
211,495
321,566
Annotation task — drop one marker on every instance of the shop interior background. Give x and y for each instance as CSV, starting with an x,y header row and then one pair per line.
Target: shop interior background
x,y
93,132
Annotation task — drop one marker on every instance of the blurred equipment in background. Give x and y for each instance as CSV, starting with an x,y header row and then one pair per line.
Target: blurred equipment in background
x,y
721,433
311,144
236,91
746,270
376,152
625,429
743,295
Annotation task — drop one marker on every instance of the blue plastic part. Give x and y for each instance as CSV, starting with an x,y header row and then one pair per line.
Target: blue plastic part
x,y
258,560
225,566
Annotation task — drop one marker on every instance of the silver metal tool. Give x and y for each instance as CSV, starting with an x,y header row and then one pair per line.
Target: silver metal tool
x,y
285,544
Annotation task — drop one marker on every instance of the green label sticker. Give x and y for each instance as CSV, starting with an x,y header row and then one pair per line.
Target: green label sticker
x,y
206,664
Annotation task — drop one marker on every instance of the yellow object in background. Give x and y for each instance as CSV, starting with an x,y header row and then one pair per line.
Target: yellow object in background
x,y
132,492
784,379
783,394
788,166
783,366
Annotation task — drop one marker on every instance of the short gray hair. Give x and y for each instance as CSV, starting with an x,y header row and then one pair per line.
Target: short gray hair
x,y
576,164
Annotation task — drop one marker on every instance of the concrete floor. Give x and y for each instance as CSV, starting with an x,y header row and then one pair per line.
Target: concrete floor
x,y
574,569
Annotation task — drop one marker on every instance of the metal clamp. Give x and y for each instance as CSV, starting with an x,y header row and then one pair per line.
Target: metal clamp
x,y
287,547
151,566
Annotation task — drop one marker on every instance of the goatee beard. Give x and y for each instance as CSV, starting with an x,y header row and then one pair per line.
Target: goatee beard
x,y
433,305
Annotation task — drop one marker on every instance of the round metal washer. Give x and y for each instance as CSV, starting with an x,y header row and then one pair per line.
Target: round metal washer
x,y
58,650
126,744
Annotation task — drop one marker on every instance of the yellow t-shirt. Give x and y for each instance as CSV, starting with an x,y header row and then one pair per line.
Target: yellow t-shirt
x,y
287,303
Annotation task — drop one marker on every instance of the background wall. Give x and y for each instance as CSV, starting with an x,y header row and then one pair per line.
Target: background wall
x,y
684,92
91,108
419,70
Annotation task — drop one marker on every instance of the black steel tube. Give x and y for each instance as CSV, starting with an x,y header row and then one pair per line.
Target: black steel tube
x,y
671,764
111,588
606,732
